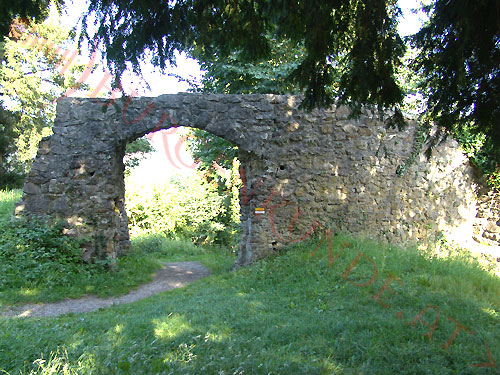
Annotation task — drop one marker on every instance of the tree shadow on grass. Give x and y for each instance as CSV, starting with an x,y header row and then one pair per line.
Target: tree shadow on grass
x,y
293,314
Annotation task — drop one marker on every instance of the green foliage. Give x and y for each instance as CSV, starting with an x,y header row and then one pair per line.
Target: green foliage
x,y
218,164
190,209
234,75
11,173
30,85
356,41
212,153
12,179
482,152
28,9
34,252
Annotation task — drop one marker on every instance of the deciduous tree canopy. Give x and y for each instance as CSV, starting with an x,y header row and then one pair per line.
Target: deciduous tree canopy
x,y
30,9
14,15
31,83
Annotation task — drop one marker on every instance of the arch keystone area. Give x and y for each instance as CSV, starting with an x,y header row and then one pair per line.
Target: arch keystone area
x,y
302,171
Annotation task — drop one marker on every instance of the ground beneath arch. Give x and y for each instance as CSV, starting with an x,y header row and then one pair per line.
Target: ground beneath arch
x,y
170,276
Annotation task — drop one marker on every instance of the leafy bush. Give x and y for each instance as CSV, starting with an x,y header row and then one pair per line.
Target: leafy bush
x,y
481,152
180,209
11,180
35,252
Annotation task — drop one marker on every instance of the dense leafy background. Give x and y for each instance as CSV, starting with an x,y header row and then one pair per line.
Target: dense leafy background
x,y
189,208
31,79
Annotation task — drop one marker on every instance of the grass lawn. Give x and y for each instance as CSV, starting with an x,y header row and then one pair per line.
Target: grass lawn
x,y
378,309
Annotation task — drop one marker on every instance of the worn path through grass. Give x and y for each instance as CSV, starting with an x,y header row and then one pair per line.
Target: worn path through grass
x,y
171,276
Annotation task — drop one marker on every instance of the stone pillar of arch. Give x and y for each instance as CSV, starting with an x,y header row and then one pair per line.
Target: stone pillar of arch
x,y
302,171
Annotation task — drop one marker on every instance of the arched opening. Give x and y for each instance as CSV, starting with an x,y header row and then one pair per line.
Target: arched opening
x,y
182,193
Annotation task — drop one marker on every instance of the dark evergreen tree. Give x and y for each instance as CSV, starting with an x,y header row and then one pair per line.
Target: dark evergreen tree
x,y
10,174
354,40
459,67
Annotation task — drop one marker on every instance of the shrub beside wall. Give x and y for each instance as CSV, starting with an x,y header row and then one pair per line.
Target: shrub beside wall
x,y
182,208
35,254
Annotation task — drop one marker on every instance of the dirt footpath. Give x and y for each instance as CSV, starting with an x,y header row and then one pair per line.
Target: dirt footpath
x,y
170,276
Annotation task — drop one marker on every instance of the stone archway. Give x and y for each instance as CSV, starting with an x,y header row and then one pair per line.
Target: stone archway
x,y
302,171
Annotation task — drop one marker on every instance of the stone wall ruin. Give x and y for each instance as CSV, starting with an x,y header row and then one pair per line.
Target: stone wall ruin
x,y
303,171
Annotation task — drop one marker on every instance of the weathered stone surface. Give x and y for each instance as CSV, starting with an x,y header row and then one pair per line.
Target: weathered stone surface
x,y
308,171
492,227
31,188
488,214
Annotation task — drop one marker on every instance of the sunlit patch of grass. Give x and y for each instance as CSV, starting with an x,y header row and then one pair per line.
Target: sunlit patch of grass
x,y
171,327
29,292
8,198
492,313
